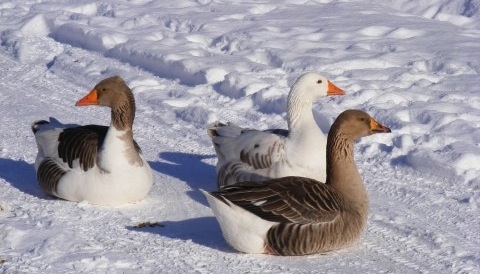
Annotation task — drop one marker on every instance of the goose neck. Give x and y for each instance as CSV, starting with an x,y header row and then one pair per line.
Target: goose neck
x,y
122,115
299,112
342,172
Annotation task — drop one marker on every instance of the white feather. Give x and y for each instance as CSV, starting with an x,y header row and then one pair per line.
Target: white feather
x,y
241,229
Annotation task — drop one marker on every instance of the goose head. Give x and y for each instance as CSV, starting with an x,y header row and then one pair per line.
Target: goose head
x,y
110,92
312,86
354,124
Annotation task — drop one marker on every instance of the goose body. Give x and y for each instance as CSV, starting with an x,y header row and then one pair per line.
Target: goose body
x,y
99,164
297,215
255,155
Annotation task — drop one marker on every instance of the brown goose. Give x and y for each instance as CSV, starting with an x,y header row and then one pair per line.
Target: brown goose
x,y
297,215
99,164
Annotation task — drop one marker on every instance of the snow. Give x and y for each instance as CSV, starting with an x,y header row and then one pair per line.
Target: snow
x,y
413,66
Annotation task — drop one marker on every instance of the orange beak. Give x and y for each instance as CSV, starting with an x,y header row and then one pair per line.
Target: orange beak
x,y
89,99
376,127
334,90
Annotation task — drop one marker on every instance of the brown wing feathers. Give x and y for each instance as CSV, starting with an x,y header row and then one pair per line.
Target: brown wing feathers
x,y
48,175
287,199
79,143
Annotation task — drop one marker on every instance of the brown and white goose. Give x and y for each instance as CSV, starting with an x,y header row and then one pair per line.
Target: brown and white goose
x,y
297,215
99,164
255,155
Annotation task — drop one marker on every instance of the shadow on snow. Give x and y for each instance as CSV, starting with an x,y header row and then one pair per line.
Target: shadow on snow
x,y
188,168
21,175
203,231
191,169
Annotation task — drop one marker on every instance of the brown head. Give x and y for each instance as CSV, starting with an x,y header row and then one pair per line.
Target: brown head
x,y
354,124
113,92
110,92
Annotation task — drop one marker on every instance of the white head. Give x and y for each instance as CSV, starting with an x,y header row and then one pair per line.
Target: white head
x,y
312,86
308,88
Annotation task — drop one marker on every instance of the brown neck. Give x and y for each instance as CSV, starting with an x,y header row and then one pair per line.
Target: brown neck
x,y
342,172
123,114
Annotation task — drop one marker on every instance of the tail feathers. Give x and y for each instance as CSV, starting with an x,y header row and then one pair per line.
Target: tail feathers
x,y
218,129
221,135
242,230
218,204
210,197
50,124
37,124
212,128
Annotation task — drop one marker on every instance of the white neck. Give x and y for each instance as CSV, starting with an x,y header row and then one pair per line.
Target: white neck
x,y
299,114
118,149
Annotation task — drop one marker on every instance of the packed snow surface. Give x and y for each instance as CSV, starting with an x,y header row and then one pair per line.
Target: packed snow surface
x,y
413,65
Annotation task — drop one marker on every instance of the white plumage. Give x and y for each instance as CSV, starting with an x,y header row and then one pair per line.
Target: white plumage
x,y
241,229
254,155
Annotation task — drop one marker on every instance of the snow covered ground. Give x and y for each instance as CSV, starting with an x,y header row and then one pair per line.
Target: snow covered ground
x,y
413,66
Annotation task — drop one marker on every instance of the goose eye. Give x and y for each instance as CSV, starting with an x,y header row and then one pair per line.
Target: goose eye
x,y
319,81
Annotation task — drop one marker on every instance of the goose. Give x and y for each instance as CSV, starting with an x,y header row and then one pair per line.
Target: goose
x,y
297,215
98,164
256,155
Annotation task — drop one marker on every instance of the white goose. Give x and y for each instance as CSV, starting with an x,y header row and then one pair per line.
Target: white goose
x,y
99,164
297,215
254,155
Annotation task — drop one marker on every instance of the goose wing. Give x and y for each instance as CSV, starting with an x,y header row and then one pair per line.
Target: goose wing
x,y
255,148
81,143
286,200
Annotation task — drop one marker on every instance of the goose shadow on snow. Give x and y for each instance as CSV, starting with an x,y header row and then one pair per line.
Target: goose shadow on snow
x,y
22,176
198,175
188,168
